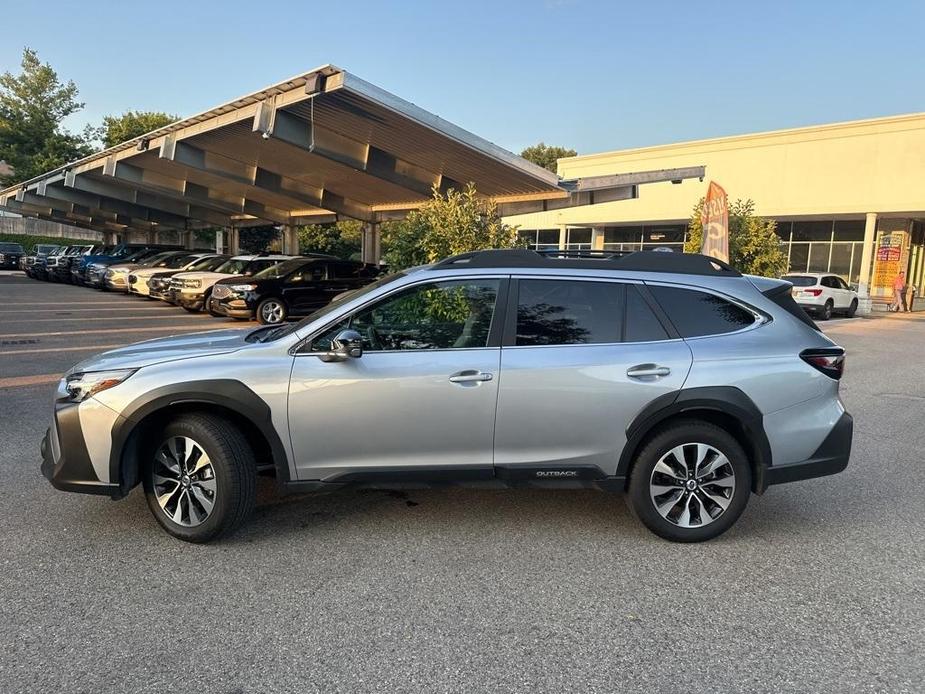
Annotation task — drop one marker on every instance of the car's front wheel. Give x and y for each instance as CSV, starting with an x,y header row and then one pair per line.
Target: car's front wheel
x,y
271,311
200,477
690,482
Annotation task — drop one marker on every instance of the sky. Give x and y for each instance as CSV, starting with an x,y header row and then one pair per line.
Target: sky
x,y
586,74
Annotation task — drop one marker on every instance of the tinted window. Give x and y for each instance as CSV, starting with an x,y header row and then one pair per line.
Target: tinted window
x,y
443,315
696,313
348,271
800,280
10,248
556,312
282,269
642,325
314,272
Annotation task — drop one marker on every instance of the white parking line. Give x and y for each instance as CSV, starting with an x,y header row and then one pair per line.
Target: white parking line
x,y
93,310
88,348
108,330
61,319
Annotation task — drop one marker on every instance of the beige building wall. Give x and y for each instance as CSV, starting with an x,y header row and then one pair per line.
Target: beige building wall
x,y
826,171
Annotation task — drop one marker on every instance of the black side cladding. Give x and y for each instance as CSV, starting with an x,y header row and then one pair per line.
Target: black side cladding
x,y
781,296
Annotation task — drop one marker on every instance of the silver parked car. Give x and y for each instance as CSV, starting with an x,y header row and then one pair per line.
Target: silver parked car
x,y
671,377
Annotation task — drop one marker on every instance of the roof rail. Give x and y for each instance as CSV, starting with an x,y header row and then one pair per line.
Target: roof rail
x,y
639,261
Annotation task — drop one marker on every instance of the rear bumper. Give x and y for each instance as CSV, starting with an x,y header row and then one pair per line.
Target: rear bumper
x,y
830,458
65,460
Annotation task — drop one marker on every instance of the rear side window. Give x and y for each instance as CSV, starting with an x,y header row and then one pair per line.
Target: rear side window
x,y
642,325
696,313
800,280
556,312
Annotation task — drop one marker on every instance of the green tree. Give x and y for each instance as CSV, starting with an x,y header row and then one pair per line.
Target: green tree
x,y
342,239
446,225
131,124
257,239
546,155
754,246
32,106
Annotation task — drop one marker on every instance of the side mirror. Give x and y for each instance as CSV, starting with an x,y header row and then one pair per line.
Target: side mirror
x,y
347,345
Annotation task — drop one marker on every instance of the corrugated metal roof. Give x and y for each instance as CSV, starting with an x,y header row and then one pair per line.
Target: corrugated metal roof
x,y
323,141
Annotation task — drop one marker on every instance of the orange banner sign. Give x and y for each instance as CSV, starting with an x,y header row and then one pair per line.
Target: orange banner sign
x,y
715,221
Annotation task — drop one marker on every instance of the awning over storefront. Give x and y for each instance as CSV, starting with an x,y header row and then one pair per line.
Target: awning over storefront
x,y
317,147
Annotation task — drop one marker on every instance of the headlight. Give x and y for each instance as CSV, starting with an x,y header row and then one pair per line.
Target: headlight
x,y
81,386
242,287
2,257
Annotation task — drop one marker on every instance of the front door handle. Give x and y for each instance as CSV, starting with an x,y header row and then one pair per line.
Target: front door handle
x,y
470,376
643,370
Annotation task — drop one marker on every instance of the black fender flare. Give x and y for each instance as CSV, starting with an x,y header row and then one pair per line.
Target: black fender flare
x,y
726,400
227,393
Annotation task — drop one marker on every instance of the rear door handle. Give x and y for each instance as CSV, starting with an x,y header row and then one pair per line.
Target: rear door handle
x,y
643,370
470,376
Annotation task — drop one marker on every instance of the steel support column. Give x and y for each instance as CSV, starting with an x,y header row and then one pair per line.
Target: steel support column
x,y
371,250
867,254
291,240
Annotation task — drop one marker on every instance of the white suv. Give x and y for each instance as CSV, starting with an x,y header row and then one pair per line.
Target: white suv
x,y
191,290
823,294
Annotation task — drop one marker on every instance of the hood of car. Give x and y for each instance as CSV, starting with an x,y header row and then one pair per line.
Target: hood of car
x,y
213,276
164,349
124,267
147,271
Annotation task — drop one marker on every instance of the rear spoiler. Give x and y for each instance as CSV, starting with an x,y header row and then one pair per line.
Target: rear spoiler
x,y
778,291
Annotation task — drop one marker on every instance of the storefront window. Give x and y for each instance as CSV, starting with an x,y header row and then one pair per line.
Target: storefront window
x,y
841,260
799,256
578,239
813,231
783,230
819,257
849,230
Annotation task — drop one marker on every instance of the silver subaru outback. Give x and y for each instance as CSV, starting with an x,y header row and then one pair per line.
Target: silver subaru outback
x,y
671,377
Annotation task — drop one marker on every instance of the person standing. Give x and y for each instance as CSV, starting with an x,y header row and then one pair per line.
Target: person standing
x,y
899,293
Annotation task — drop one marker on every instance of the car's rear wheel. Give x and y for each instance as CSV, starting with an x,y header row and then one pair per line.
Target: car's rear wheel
x,y
200,478
826,312
852,309
690,482
271,311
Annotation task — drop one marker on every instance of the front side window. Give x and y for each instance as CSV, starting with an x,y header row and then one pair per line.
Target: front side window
x,y
281,269
696,313
455,314
556,312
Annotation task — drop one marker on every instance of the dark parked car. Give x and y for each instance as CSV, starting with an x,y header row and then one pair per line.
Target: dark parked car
x,y
92,268
10,255
36,260
295,287
60,270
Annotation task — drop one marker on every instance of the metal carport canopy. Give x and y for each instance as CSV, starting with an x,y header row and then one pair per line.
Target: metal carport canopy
x,y
319,146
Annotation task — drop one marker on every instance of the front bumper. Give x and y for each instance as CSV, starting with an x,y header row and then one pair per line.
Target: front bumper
x,y
65,460
194,302
232,306
830,458
119,283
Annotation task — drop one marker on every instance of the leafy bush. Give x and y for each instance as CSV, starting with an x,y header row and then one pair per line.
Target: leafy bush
x,y
27,241
446,225
342,239
754,246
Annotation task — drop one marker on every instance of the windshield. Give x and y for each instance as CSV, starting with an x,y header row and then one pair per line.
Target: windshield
x,y
175,262
44,248
232,267
208,264
800,280
156,260
282,269
10,248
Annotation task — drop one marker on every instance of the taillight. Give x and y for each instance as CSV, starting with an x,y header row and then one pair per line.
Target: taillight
x,y
814,292
828,360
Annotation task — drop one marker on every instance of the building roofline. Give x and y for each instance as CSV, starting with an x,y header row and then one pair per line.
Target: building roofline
x,y
762,135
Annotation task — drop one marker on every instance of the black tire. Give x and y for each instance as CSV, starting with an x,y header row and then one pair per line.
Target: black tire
x,y
281,311
234,475
852,309
659,445
826,312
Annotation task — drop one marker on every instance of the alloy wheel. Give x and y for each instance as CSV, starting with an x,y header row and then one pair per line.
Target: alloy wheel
x,y
271,312
184,481
692,485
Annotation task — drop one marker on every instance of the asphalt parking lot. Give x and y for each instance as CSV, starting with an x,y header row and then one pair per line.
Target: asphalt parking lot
x,y
819,587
